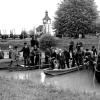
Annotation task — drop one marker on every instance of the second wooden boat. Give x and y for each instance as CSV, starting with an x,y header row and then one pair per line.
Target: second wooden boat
x,y
55,72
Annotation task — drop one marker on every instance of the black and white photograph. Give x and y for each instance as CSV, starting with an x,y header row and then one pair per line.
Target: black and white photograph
x,y
49,49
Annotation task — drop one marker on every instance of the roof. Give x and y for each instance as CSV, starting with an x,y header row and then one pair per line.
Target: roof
x,y
46,16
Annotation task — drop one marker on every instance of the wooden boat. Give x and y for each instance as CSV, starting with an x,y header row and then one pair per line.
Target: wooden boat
x,y
55,72
22,68
4,64
25,68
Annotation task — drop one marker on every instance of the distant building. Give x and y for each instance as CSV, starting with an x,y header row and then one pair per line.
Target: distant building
x,y
46,24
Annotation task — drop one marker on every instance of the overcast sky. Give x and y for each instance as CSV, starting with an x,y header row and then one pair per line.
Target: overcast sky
x,y
26,14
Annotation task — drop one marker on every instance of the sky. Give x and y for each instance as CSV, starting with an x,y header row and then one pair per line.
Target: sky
x,y
26,14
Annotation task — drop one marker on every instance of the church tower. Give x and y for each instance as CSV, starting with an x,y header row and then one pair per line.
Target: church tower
x,y
46,24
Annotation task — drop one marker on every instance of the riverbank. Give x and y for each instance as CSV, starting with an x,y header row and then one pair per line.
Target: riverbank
x,y
88,42
11,89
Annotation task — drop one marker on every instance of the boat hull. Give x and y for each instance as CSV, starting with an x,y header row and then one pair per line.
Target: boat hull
x,y
60,71
22,68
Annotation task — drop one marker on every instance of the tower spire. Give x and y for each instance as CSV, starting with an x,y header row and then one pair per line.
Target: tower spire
x,y
46,23
46,18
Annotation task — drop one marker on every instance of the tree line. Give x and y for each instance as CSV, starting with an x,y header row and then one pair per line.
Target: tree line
x,y
24,34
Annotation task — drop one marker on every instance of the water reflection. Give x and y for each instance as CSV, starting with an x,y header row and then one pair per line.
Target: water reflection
x,y
78,80
6,54
21,76
29,75
43,76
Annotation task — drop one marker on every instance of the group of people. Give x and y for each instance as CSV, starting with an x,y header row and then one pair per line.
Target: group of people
x,y
56,58
30,54
71,56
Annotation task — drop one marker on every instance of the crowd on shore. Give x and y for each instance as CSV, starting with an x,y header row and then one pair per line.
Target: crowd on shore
x,y
71,56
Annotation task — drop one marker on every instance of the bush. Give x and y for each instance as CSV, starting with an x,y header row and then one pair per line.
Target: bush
x,y
5,36
47,41
23,35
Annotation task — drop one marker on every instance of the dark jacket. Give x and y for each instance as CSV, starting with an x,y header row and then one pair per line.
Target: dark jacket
x,y
47,53
67,55
94,51
26,52
34,42
71,48
1,54
53,55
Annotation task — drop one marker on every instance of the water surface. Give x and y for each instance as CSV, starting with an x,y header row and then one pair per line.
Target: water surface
x,y
82,80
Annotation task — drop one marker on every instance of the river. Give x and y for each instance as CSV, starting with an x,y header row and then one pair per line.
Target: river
x,y
79,81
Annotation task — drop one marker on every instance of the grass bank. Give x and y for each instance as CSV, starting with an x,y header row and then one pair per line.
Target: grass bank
x,y
4,44
88,42
11,89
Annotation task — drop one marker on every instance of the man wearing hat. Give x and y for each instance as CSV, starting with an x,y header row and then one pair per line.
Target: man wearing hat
x,y
26,54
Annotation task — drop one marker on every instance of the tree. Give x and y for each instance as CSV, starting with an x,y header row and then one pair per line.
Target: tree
x,y
11,34
47,41
97,25
15,36
39,30
31,33
5,36
23,35
75,17
0,34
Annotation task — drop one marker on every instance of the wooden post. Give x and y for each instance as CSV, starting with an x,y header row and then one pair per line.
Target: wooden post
x,y
98,44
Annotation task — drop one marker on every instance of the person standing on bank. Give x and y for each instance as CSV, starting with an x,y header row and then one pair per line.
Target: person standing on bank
x,y
26,54
34,42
